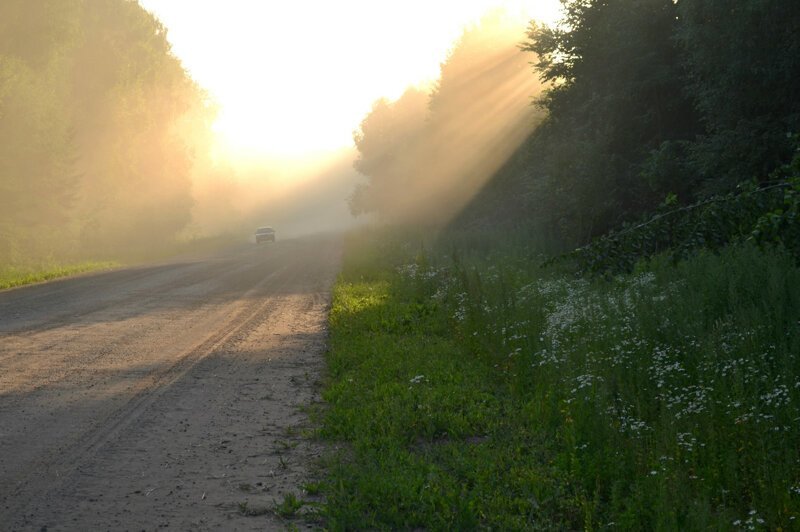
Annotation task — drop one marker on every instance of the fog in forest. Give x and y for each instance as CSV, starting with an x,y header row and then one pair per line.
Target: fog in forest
x,y
294,197
108,148
426,154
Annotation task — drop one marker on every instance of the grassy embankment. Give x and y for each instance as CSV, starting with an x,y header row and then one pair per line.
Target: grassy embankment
x,y
11,276
477,390
39,271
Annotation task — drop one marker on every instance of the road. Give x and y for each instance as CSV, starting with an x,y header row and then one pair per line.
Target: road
x,y
164,396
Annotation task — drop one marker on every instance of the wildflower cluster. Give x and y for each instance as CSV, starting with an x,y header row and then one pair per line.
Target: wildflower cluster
x,y
704,375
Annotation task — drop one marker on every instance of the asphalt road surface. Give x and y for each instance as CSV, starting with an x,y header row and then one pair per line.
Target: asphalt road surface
x,y
165,396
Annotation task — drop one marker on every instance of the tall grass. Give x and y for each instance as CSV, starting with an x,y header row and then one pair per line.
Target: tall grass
x,y
476,389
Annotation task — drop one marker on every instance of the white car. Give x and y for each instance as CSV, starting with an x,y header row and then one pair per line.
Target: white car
x,y
265,234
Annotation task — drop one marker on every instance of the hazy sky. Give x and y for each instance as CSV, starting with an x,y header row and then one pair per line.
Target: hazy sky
x,y
294,78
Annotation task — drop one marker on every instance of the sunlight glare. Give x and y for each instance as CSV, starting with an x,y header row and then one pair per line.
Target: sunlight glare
x,y
293,79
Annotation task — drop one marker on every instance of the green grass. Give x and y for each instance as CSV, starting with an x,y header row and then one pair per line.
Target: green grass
x,y
11,276
35,271
475,390
289,506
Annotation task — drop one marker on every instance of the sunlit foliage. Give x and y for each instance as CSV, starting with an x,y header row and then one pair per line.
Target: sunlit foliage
x,y
425,162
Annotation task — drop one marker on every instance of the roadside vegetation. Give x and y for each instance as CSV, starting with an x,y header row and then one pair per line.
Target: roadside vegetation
x,y
29,272
11,276
474,388
606,335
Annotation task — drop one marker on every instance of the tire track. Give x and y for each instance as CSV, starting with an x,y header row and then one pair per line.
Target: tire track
x,y
237,319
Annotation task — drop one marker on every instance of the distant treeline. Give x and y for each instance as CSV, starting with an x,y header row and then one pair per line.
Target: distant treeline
x,y
101,130
643,100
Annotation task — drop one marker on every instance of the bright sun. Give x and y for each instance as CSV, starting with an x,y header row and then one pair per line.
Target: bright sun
x,y
294,79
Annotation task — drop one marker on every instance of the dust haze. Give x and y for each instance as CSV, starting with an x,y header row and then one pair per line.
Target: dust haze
x,y
297,198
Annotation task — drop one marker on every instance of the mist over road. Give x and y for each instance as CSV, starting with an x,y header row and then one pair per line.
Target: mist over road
x,y
163,395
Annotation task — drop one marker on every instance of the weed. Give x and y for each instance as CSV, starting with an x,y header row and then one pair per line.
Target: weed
x,y
289,507
313,488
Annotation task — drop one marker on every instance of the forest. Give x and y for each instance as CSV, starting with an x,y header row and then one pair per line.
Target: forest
x,y
98,148
638,106
622,111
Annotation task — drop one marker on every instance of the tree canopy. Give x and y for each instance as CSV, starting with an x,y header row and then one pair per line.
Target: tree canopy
x,y
643,100
95,149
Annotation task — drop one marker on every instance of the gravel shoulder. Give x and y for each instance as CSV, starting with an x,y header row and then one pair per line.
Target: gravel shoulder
x,y
164,396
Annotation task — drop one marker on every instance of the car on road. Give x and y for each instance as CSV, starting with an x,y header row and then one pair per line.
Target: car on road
x,y
265,234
